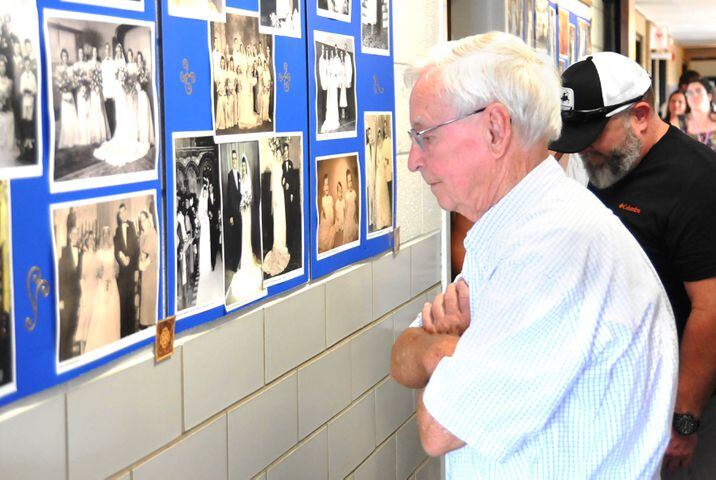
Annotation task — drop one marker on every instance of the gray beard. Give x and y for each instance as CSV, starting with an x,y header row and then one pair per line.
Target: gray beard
x,y
618,163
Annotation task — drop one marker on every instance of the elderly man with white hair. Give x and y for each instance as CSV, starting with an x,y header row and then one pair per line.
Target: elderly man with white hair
x,y
555,354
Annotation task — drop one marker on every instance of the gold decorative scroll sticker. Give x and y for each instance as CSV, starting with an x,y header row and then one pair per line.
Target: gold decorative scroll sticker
x,y
164,341
285,77
376,85
187,77
36,286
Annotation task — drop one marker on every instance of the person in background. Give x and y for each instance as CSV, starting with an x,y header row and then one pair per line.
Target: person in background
x,y
554,355
700,121
660,183
675,108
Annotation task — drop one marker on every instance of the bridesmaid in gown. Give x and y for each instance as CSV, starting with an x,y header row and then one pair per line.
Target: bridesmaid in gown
x,y
83,98
220,83
382,197
104,326
8,146
350,230
69,125
325,223
98,123
148,244
89,280
145,122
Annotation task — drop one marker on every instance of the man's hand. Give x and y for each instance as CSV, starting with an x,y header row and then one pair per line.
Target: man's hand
x,y
680,451
450,312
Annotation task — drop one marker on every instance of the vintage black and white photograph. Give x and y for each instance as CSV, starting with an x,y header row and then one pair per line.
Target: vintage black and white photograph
x,y
280,17
136,5
282,207
375,26
20,92
515,21
379,171
335,71
241,203
199,270
102,100
530,23
198,9
243,76
106,254
542,25
7,325
335,9
585,40
552,32
338,202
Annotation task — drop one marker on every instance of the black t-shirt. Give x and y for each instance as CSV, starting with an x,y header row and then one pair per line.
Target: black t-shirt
x,y
668,202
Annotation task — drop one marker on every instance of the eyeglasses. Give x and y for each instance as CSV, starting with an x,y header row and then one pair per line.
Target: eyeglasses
x,y
417,136
579,116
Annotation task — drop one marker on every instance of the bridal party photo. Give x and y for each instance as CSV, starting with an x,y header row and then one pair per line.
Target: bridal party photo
x,y
106,255
103,115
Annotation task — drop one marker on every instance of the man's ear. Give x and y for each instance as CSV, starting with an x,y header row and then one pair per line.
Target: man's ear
x,y
498,133
640,116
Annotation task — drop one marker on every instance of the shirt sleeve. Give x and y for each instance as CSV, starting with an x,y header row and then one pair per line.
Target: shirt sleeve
x,y
522,353
691,235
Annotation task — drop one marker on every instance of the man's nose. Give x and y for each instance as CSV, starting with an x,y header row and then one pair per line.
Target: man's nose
x,y
415,157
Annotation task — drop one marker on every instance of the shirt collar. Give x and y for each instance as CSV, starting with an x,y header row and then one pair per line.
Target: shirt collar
x,y
507,214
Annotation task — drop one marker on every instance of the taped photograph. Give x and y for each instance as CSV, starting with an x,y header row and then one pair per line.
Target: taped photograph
x,y
280,17
7,313
338,203
135,5
106,257
375,26
199,263
379,171
241,202
335,74
243,77
282,207
20,92
102,100
542,26
335,9
199,9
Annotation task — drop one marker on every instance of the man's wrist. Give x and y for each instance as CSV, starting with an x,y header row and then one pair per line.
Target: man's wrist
x,y
443,346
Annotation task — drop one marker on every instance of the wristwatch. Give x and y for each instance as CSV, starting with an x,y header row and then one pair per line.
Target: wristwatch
x,y
685,424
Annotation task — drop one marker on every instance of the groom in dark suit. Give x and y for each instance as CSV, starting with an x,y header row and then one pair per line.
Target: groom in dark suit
x,y
232,213
126,252
292,201
69,268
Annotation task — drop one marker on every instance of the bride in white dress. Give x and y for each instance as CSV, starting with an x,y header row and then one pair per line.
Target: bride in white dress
x,y
334,72
277,258
124,147
204,293
248,278
104,326
145,123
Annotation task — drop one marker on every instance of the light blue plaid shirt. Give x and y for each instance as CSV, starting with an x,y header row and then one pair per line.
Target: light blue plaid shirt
x,y
568,369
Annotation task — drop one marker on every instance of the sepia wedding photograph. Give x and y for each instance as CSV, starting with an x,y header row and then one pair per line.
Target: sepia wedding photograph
x,y
7,314
338,203
199,263
20,92
379,171
563,33
335,9
135,5
585,40
102,100
243,77
280,17
281,207
214,10
106,257
375,27
542,25
241,203
335,74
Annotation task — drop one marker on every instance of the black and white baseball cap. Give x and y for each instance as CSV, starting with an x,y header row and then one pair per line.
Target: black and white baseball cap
x,y
594,90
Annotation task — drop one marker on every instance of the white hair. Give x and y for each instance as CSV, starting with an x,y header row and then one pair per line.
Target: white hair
x,y
498,67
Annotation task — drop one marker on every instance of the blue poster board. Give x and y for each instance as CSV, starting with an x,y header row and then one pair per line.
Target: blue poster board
x,y
334,151
34,199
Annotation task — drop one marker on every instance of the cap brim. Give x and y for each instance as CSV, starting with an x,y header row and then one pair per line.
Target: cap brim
x,y
576,137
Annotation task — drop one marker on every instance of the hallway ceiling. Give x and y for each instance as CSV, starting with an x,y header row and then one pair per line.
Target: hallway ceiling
x,y
692,23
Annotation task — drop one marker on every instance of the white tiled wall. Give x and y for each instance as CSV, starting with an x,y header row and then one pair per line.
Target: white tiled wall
x,y
296,389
